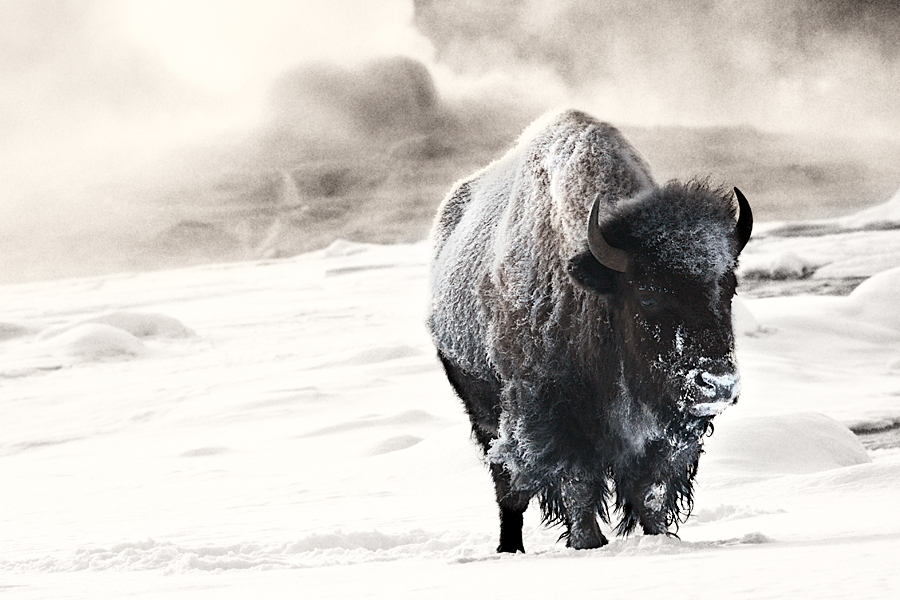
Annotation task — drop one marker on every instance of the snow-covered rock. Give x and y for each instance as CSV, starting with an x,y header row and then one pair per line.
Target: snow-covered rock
x,y
96,341
775,265
140,325
777,444
880,215
877,299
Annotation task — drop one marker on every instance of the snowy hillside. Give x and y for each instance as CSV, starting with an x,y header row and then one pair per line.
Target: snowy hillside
x,y
282,429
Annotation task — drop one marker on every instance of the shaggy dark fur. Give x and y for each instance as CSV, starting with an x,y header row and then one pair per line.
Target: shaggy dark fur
x,y
584,384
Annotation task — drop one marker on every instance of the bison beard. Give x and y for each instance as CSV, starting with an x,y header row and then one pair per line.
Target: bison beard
x,y
583,315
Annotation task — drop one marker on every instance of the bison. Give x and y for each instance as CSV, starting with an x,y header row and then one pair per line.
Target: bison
x,y
583,315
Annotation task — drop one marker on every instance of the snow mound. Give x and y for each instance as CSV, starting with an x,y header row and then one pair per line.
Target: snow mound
x,y
410,417
875,299
115,335
97,341
776,265
146,325
374,355
661,545
793,443
340,248
9,331
400,442
343,258
316,550
140,325
881,215
728,512
205,451
884,216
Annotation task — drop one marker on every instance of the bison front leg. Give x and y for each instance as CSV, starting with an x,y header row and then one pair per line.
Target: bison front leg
x,y
654,509
512,511
644,501
580,504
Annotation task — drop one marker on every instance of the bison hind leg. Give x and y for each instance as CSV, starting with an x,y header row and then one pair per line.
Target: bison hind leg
x,y
481,397
512,510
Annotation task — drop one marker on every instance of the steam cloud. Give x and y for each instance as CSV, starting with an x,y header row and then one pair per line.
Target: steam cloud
x,y
826,65
105,141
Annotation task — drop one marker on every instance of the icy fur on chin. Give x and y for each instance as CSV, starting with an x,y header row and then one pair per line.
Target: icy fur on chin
x,y
637,425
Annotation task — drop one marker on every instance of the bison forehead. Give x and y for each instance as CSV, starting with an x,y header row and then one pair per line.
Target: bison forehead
x,y
686,228
700,250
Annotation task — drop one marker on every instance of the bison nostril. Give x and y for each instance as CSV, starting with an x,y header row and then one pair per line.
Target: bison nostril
x,y
716,392
717,387
700,379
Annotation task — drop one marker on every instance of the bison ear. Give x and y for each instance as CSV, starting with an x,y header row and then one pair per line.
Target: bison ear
x,y
589,273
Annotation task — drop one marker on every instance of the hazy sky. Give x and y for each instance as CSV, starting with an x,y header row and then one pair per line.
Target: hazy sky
x,y
149,64
231,45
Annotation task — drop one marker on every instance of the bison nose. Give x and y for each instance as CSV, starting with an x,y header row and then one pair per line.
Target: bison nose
x,y
717,392
721,388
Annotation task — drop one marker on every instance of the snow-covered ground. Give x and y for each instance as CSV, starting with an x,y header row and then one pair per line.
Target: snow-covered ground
x,y
851,247
282,428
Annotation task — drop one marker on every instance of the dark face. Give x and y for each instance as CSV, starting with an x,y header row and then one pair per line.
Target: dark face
x,y
664,262
676,340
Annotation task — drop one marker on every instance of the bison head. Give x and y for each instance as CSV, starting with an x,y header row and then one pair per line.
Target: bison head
x,y
664,262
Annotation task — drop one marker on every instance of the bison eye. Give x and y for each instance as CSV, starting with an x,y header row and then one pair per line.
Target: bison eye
x,y
648,300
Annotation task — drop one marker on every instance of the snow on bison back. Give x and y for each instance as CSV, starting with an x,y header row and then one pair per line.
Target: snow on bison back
x,y
583,315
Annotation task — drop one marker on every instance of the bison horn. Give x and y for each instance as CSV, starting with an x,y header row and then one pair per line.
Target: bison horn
x,y
745,221
606,255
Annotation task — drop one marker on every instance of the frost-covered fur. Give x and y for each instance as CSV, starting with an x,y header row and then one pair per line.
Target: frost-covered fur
x,y
574,387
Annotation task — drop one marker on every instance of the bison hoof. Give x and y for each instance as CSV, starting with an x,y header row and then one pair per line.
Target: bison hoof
x,y
588,544
584,532
586,541
511,548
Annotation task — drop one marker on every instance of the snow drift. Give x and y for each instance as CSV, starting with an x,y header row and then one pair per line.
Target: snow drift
x,y
301,437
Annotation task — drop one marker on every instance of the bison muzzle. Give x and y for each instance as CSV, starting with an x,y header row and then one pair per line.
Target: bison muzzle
x,y
582,313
